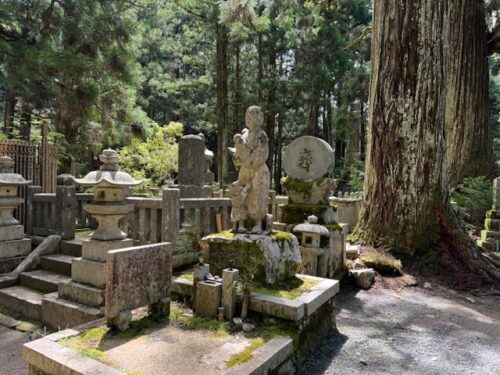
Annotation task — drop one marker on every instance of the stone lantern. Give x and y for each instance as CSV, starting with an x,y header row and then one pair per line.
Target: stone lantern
x,y
13,245
109,204
313,254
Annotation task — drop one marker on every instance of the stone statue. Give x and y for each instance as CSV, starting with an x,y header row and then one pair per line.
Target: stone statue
x,y
249,194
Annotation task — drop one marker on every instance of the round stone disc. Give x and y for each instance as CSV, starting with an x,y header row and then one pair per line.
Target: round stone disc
x,y
308,158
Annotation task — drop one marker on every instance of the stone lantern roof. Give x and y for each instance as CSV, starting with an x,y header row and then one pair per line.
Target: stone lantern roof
x,y
7,175
311,226
109,174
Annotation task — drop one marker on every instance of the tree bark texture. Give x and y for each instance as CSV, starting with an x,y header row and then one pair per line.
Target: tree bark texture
x,y
405,189
468,130
221,79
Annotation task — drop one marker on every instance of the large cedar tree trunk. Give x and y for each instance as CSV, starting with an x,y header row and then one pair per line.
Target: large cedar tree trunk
x,y
468,130
405,178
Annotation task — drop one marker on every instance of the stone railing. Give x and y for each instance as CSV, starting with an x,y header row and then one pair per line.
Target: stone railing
x,y
56,213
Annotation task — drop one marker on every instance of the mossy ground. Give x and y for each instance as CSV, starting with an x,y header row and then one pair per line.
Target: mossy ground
x,y
382,262
290,289
225,234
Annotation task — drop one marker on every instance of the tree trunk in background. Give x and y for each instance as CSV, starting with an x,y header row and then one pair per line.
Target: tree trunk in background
x,y
9,112
25,128
270,115
238,93
468,130
221,79
405,178
260,68
353,143
312,111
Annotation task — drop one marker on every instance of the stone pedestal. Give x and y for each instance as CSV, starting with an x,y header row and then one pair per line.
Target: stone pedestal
x,y
229,277
277,256
208,298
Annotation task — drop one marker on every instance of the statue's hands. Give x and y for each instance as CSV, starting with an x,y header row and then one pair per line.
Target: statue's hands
x,y
238,139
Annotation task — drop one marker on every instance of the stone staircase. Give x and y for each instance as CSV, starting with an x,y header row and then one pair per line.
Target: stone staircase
x,y
36,297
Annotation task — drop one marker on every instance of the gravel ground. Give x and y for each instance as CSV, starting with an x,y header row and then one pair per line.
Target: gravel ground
x,y
11,344
409,330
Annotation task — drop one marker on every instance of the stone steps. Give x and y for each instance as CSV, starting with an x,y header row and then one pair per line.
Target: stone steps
x,y
42,280
72,247
60,313
25,301
57,263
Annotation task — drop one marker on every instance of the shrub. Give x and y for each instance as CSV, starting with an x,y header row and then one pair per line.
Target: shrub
x,y
473,198
155,159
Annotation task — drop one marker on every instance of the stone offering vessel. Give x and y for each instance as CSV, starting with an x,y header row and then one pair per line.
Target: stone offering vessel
x,y
109,204
249,194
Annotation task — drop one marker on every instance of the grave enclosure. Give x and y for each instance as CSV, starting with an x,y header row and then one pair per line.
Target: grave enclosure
x,y
127,261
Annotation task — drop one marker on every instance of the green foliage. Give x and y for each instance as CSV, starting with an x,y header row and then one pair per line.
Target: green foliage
x,y
473,199
356,175
155,159
188,237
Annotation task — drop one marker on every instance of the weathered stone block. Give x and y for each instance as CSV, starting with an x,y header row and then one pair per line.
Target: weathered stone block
x,y
277,258
191,160
59,313
89,272
15,248
229,277
81,293
9,264
11,232
98,250
137,276
208,298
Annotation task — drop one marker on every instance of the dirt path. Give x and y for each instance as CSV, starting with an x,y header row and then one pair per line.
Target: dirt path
x,y
410,331
11,344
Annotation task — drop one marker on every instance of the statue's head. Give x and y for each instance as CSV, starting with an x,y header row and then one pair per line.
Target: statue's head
x,y
254,118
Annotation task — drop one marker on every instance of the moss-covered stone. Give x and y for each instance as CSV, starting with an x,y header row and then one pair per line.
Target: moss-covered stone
x,y
332,227
296,213
291,289
382,262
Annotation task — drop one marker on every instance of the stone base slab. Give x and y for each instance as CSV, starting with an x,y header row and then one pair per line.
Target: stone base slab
x,y
11,232
15,248
97,250
81,293
181,260
8,265
59,313
89,272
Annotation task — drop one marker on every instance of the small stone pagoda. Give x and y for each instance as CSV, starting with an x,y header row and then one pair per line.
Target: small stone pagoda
x,y
252,240
88,273
490,236
13,246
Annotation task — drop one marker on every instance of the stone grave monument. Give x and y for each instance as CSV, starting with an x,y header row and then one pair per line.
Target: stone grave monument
x,y
308,164
13,246
193,167
490,236
88,273
277,256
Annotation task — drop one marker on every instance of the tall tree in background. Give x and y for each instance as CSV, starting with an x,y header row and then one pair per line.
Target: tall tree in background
x,y
468,130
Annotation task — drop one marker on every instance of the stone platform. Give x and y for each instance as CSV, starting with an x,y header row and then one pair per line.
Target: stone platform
x,y
168,349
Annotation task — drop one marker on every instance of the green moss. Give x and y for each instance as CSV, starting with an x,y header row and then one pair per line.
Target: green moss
x,y
279,235
198,323
224,234
333,227
296,213
382,262
291,289
245,355
187,276
292,184
88,342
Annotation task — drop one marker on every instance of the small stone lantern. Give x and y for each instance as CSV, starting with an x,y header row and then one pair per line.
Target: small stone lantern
x,y
313,255
109,204
9,183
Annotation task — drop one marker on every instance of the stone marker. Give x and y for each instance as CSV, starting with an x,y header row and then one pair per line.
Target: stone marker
x,y
308,158
136,277
192,167
229,277
208,298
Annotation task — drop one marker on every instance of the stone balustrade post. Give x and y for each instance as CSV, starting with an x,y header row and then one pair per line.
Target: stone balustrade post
x,y
170,221
66,206
30,205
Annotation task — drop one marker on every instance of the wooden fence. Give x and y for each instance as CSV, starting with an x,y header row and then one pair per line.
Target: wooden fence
x,y
34,161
